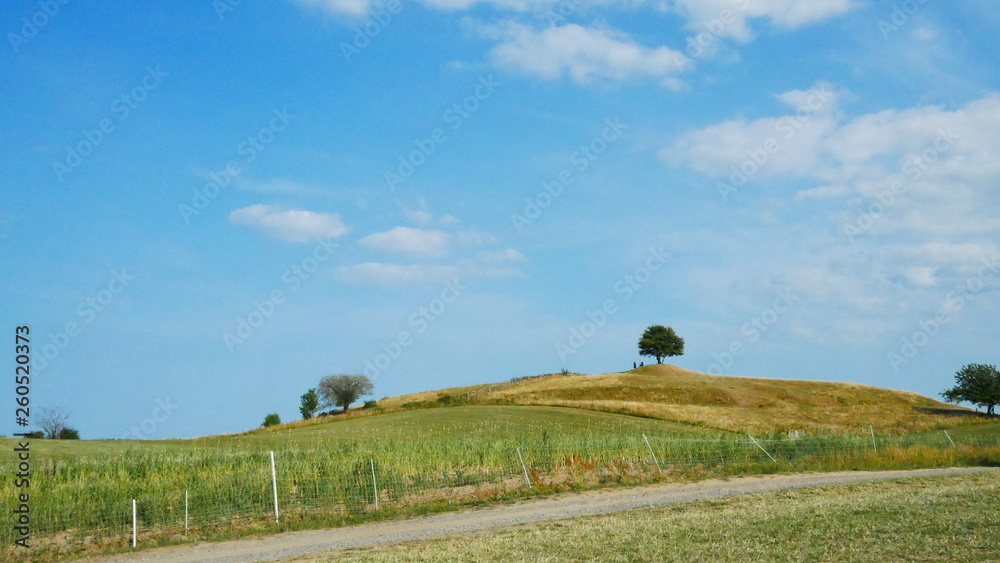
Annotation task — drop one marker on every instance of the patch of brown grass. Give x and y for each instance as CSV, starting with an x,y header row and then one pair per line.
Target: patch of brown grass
x,y
738,404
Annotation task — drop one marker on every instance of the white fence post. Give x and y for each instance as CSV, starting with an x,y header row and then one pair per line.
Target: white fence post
x,y
135,524
949,438
762,448
656,461
874,445
524,468
274,486
185,512
374,484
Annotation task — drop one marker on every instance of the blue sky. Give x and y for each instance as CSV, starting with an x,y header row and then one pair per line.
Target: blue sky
x,y
207,207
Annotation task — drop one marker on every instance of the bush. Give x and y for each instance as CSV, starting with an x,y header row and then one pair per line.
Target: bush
x,y
271,420
370,405
450,400
68,433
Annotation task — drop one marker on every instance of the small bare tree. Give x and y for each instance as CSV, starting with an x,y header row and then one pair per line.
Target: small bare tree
x,y
53,421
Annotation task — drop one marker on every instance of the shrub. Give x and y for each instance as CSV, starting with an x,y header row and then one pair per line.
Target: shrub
x,y
68,433
271,420
451,400
370,405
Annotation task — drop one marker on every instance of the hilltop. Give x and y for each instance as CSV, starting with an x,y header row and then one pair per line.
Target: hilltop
x,y
736,404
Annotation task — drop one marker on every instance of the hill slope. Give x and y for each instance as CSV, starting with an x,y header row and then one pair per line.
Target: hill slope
x,y
739,404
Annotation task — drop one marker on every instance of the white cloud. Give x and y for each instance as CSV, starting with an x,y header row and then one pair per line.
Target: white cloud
x,y
281,186
948,161
291,225
729,18
349,7
362,7
506,256
918,185
474,238
584,54
381,273
821,192
418,214
785,144
406,240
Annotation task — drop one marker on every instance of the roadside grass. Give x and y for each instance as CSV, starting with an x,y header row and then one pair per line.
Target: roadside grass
x,y
83,505
947,518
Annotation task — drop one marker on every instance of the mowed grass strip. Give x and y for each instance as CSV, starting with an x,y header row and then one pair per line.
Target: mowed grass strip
x,y
950,518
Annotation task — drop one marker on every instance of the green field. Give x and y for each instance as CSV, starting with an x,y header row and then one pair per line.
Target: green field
x,y
428,459
951,518
487,422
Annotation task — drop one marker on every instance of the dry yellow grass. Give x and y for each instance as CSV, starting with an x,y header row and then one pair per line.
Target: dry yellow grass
x,y
739,404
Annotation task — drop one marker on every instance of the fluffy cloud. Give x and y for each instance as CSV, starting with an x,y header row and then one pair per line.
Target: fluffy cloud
x,y
729,18
790,144
893,210
291,225
584,54
406,240
942,163
382,273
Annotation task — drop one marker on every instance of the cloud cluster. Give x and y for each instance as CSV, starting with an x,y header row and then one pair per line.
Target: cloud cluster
x,y
908,195
590,52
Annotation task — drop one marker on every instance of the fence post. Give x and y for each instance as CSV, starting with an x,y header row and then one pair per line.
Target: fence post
x,y
949,438
374,484
525,468
874,445
658,470
135,524
274,486
185,512
762,448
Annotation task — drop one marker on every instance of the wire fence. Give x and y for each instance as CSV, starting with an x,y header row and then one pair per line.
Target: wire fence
x,y
75,506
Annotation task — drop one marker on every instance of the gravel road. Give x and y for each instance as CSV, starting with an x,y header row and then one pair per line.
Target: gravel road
x,y
556,507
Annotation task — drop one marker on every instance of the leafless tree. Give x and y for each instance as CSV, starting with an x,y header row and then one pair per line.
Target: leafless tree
x,y
53,421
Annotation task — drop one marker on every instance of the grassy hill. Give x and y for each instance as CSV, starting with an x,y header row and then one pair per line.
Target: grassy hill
x,y
736,404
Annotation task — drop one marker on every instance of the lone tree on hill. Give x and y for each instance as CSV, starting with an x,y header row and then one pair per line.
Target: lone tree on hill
x,y
342,390
310,404
660,341
978,384
53,421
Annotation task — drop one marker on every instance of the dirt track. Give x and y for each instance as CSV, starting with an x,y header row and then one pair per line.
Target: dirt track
x,y
556,507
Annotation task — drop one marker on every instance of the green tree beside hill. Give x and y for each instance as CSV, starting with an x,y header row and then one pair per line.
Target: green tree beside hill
x,y
978,384
310,404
